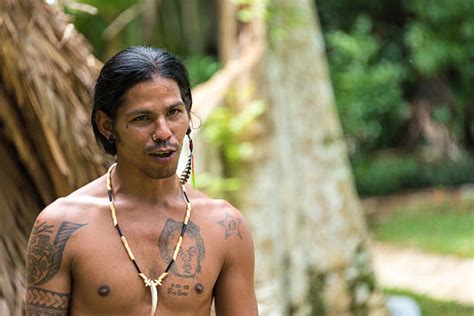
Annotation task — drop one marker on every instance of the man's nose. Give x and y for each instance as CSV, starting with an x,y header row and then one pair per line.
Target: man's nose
x,y
186,257
162,130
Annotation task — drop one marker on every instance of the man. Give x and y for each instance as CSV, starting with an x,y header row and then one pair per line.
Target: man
x,y
135,241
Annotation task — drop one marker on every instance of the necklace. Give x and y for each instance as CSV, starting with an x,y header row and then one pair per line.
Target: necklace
x,y
151,283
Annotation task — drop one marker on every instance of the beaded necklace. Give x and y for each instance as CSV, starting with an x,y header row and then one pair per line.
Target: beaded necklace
x,y
151,283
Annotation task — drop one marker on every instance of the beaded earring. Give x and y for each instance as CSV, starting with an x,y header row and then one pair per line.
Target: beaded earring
x,y
189,169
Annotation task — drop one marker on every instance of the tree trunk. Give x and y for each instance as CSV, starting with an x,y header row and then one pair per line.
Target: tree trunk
x,y
192,27
309,231
148,20
46,142
227,27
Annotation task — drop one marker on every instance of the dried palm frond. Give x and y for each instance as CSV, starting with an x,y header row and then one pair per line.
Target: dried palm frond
x,y
46,144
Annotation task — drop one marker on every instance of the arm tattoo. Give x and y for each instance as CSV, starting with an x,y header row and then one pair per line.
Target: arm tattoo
x,y
41,302
192,252
231,225
44,258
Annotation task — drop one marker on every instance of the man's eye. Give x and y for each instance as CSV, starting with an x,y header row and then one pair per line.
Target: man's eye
x,y
174,111
140,118
192,251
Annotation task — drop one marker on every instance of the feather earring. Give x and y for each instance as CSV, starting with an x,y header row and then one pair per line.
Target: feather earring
x,y
189,168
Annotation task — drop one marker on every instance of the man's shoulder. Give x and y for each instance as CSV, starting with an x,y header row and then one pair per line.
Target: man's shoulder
x,y
228,220
78,204
213,207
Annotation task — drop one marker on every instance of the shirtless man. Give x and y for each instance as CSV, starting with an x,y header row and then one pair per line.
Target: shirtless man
x,y
77,261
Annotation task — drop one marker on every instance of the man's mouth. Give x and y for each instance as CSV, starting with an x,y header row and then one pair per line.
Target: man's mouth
x,y
163,154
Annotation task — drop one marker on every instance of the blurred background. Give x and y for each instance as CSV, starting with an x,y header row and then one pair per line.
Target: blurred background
x,y
343,130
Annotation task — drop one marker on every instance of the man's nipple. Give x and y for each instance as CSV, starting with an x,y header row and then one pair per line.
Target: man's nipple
x,y
199,288
103,290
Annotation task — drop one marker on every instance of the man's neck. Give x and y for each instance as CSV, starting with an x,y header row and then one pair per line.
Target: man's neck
x,y
135,184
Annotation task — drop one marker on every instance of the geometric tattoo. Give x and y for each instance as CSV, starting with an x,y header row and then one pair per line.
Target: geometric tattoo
x,y
231,226
192,252
43,302
44,258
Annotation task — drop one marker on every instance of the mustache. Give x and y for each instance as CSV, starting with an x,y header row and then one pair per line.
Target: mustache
x,y
162,145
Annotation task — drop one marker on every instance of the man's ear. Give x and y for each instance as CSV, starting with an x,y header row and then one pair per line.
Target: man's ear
x,y
104,124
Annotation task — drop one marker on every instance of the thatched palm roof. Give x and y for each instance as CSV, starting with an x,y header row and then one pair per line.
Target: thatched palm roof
x,y
46,144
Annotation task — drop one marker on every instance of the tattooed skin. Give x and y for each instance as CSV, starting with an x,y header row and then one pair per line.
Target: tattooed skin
x,y
191,254
178,289
41,302
44,257
231,225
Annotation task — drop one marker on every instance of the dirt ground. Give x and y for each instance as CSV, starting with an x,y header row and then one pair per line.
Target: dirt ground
x,y
441,277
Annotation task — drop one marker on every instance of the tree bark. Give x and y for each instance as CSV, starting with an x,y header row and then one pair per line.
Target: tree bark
x,y
227,27
192,27
148,20
310,234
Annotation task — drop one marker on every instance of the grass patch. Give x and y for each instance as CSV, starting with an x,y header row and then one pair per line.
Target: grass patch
x,y
432,307
444,229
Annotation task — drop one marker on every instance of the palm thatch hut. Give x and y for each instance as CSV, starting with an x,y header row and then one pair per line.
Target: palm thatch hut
x,y
46,145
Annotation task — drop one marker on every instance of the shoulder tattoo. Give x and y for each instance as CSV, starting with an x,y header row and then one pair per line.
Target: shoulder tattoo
x,y
41,302
231,226
44,254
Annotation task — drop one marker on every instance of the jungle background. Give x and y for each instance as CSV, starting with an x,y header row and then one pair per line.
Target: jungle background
x,y
399,77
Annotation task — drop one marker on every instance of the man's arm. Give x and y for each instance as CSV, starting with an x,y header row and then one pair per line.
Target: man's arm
x,y
48,270
234,290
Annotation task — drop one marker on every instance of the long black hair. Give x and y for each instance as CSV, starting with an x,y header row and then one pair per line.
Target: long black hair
x,y
128,68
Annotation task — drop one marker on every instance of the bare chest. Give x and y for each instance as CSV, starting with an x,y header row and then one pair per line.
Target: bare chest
x,y
106,281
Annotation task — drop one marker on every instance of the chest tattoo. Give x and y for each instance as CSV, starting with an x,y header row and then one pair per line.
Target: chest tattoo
x,y
178,289
190,256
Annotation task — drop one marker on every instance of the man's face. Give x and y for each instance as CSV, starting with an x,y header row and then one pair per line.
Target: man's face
x,y
151,109
188,262
191,254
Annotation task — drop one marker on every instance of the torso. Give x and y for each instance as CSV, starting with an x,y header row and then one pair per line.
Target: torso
x,y
104,280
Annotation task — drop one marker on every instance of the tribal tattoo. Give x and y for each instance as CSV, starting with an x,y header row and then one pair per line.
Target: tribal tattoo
x,y
41,302
192,252
231,225
44,257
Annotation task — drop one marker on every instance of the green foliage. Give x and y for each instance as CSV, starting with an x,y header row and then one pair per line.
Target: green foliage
x,y
423,49
218,187
367,86
226,130
181,28
386,175
432,307
441,36
421,39
201,68
440,40
384,56
251,9
445,229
